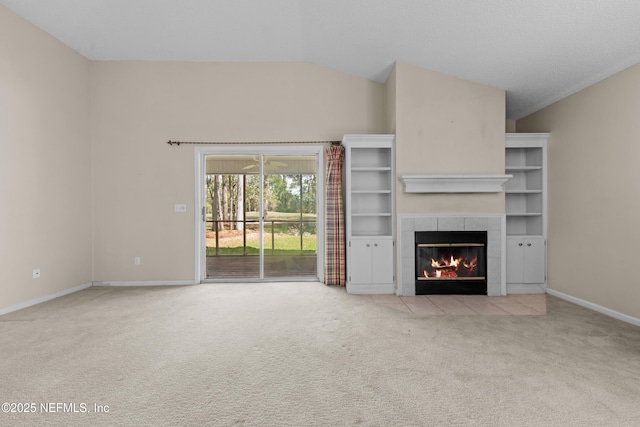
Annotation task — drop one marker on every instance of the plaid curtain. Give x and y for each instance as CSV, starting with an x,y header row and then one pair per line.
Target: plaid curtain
x,y
334,248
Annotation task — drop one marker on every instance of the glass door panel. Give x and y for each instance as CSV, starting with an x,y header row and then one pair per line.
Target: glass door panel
x,y
290,238
232,217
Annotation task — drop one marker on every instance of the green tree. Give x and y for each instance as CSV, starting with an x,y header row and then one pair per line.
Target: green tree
x,y
308,193
281,193
213,198
252,193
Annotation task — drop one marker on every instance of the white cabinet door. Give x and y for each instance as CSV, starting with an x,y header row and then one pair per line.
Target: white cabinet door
x,y
382,259
525,259
371,261
515,259
361,261
534,260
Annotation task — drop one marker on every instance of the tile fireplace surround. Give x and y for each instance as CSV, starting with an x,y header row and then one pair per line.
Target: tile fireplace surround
x,y
493,224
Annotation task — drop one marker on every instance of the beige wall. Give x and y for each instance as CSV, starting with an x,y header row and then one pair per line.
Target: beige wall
x,y
138,106
390,100
446,125
594,191
45,169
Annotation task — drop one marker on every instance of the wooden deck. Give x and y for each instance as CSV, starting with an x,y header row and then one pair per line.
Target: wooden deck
x,y
248,267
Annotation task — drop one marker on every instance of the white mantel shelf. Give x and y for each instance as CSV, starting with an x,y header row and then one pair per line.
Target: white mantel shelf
x,y
453,183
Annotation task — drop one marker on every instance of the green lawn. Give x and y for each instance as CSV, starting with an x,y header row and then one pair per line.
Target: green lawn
x,y
284,245
277,216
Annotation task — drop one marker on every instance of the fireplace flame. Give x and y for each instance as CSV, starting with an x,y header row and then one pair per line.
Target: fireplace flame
x,y
471,265
448,268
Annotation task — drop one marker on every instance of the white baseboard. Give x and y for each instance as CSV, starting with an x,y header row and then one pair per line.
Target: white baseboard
x,y
146,283
42,299
595,307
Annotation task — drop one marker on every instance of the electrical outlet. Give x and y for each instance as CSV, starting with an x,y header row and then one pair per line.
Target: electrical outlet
x,y
36,273
180,208
136,260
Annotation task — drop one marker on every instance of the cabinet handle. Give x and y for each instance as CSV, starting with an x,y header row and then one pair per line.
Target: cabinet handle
x,y
375,244
519,244
528,244
368,244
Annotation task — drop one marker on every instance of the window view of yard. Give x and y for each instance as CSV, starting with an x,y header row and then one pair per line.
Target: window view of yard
x,y
232,212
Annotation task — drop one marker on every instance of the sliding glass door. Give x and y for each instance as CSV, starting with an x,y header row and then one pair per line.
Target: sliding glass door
x,y
261,217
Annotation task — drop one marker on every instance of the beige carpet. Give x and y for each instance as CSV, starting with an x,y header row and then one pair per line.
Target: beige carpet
x,y
303,354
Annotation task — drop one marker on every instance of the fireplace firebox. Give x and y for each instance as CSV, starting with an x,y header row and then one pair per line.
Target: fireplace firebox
x,y
451,262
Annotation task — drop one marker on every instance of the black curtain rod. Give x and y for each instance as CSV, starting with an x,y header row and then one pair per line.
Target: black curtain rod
x,y
254,142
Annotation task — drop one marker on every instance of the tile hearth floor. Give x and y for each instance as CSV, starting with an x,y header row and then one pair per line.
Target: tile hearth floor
x,y
510,305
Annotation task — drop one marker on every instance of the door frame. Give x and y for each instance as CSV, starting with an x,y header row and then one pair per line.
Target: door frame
x,y
200,154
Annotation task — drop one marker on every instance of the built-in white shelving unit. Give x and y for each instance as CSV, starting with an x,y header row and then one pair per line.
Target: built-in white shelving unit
x,y
526,211
369,206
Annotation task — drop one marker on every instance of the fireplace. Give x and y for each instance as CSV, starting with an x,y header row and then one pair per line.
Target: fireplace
x,y
494,225
451,262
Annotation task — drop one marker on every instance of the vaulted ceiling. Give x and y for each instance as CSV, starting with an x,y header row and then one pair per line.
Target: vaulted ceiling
x,y
539,51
